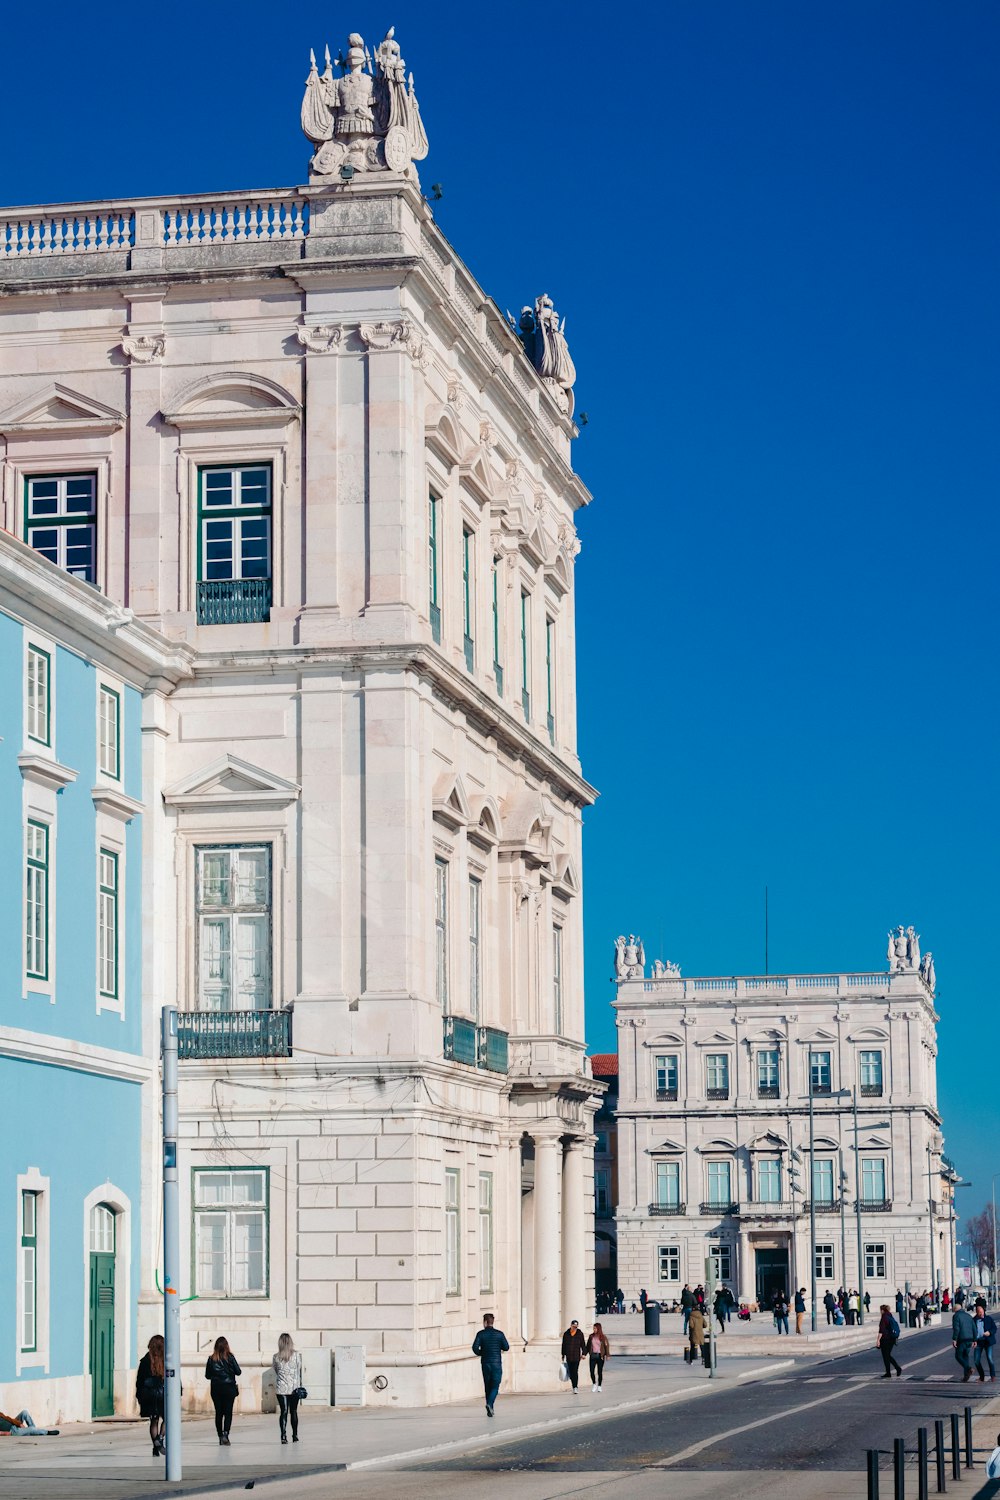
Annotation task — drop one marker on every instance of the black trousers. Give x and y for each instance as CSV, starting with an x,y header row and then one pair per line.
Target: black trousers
x,y
597,1369
288,1406
223,1399
886,1346
573,1366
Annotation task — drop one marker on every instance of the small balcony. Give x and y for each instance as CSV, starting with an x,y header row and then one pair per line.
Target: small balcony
x,y
666,1210
720,1210
234,601
666,1096
765,1208
234,1033
821,1090
717,1093
825,1206
871,1091
476,1046
876,1205
768,1091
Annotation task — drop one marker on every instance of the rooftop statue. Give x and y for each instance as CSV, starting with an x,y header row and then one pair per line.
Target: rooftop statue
x,y
544,340
904,950
630,958
367,119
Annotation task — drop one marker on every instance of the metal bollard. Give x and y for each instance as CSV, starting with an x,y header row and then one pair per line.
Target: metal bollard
x,y
956,1451
922,1463
968,1437
898,1469
939,1454
872,1474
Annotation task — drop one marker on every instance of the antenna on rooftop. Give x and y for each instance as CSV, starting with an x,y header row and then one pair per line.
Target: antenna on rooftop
x,y
765,930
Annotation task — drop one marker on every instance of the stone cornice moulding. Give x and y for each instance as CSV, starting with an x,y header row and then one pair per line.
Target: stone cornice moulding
x,y
230,782
57,409
45,771
116,803
64,1052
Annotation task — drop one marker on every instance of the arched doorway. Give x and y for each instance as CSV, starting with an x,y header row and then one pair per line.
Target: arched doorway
x,y
103,1231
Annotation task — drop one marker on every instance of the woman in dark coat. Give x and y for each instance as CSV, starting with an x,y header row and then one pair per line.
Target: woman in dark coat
x,y
149,1391
221,1369
888,1333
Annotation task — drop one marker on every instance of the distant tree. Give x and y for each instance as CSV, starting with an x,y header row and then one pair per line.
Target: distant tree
x,y
979,1235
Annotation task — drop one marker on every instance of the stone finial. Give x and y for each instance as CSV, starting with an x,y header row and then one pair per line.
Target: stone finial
x,y
367,120
630,958
544,339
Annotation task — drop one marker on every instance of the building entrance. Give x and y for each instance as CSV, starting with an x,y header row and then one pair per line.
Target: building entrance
x,y
772,1276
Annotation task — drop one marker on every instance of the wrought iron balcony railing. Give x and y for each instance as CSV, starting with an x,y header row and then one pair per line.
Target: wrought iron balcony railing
x,y
824,1206
722,1209
876,1205
819,1090
663,1210
666,1096
768,1091
717,1093
234,1033
234,601
871,1091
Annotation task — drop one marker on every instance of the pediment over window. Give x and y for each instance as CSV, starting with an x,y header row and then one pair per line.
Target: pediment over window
x,y
484,822
876,1143
477,473
231,782
450,804
769,1140
869,1034
535,547
565,880
713,1148
766,1038
443,434
558,575
825,1143
819,1035
672,1146
717,1039
665,1039
526,826
232,398
57,409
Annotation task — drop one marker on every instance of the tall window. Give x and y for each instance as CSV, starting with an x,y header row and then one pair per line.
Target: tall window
x,y
486,1231
231,1232
29,1272
469,596
107,923
102,1229
668,1184
824,1262
871,1073
875,1262
873,1179
602,1193
475,955
669,1257
722,1253
497,667
61,522
557,979
526,654
717,1075
234,927
719,1183
433,566
234,540
36,903
550,677
820,1072
767,1074
109,732
666,1076
441,932
769,1180
39,701
452,1233
823,1179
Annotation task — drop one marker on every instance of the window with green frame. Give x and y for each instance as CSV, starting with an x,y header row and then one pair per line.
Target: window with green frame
x,y
526,654
230,1231
29,1273
234,544
60,521
39,696
469,596
497,663
109,709
550,677
107,924
433,566
36,901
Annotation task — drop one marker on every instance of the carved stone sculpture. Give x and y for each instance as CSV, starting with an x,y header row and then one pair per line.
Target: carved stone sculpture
x,y
143,348
927,972
667,970
544,339
368,119
904,950
630,958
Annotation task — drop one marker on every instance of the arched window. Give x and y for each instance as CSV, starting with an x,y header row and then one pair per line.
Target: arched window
x,y
102,1229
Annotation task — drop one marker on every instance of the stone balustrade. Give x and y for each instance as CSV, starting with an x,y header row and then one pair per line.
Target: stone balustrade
x,y
768,986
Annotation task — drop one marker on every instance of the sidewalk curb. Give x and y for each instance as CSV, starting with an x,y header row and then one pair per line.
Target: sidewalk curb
x,y
578,1419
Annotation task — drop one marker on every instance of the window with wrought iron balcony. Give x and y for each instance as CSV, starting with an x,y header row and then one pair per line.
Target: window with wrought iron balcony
x,y
871,1074
234,545
717,1075
666,1078
820,1073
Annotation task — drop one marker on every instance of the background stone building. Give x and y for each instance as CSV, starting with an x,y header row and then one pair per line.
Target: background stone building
x,y
316,452
713,1129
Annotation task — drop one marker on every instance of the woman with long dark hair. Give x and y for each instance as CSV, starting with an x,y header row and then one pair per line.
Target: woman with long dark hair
x,y
287,1366
149,1391
221,1369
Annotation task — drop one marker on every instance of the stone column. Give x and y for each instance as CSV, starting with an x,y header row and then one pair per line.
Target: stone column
x,y
548,1302
574,1233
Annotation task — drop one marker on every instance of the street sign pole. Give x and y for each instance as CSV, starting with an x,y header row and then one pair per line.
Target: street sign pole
x,y
171,1249
710,1311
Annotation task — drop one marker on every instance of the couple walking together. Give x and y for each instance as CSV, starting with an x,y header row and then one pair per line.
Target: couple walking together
x,y
575,1346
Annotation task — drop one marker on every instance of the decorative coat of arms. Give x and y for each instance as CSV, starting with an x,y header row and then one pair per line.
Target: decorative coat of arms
x,y
630,958
367,119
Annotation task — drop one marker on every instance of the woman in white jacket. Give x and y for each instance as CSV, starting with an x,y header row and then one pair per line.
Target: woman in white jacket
x,y
287,1366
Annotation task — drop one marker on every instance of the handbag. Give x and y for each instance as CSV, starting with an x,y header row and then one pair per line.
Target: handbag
x,y
563,1370
300,1393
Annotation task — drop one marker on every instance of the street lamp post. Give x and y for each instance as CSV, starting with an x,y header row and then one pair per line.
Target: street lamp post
x,y
857,1203
930,1210
812,1203
993,1278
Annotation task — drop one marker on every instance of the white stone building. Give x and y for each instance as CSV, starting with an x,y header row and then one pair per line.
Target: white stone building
x,y
319,455
714,1129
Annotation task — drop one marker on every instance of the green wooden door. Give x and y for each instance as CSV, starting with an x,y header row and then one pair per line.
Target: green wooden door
x,y
102,1333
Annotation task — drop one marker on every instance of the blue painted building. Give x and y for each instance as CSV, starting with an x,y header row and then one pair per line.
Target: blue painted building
x,y
78,1052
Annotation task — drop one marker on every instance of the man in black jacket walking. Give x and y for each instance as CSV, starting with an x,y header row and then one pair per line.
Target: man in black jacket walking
x,y
963,1336
491,1345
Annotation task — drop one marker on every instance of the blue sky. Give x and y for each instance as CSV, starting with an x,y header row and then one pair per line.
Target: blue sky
x,y
774,229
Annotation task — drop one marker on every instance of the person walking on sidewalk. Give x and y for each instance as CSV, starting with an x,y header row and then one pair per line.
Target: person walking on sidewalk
x,y
687,1303
490,1345
149,1391
719,1308
600,1350
287,1367
800,1308
829,1302
781,1312
888,1333
574,1347
900,1307
963,1337
696,1332
221,1370
986,1337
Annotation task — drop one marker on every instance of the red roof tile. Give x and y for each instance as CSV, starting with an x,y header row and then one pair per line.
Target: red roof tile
x,y
604,1065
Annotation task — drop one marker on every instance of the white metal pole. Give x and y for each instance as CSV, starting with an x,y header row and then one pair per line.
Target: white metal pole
x,y
171,1249
710,1309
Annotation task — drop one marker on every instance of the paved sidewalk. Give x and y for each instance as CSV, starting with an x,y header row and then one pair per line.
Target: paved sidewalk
x,y
99,1459
757,1338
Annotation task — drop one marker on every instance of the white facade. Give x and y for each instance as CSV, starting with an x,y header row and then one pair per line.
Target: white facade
x,y
714,1133
366,832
